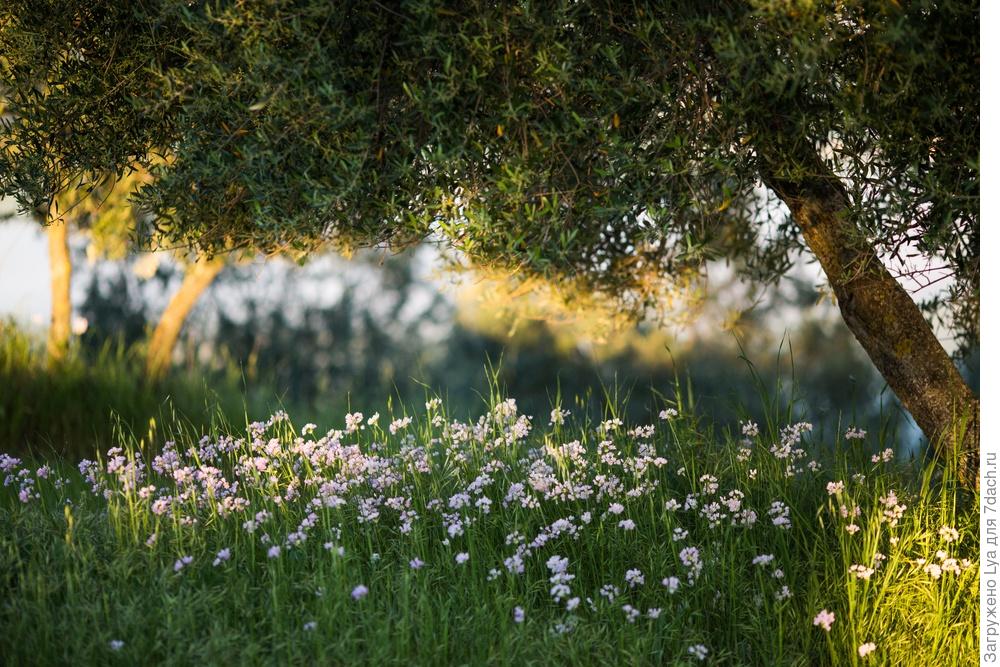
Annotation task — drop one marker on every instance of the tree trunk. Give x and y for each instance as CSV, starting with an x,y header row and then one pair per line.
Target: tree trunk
x,y
880,313
197,277
60,269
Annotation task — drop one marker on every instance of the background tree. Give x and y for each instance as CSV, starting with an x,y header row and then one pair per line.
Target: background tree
x,y
592,144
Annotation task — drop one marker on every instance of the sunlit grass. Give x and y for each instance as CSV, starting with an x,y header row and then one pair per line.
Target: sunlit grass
x,y
167,555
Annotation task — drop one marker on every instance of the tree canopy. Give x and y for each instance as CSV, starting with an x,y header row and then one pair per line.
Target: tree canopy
x,y
603,143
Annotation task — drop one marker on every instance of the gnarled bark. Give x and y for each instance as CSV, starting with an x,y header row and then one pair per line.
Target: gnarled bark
x,y
197,277
880,313
60,268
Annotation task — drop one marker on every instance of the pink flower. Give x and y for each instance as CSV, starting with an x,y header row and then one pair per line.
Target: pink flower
x,y
866,648
824,619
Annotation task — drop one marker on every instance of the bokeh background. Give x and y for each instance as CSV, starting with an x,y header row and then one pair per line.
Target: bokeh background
x,y
335,333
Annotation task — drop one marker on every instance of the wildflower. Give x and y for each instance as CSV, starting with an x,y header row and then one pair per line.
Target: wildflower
x,y
308,428
221,557
353,421
671,584
631,613
852,528
616,508
783,594
861,572
461,558
572,604
824,619
763,559
116,644
866,648
679,534
855,434
359,592
699,651
750,429
626,524
833,488
309,626
182,562
274,551
884,457
634,578
948,534
518,615
151,540
558,417
399,424
668,413
416,564
653,612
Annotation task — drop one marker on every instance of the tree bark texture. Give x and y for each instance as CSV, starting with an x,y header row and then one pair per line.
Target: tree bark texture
x,y
197,277
881,314
60,269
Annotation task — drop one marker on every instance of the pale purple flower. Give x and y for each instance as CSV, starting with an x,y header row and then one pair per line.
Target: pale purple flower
x,y
116,644
634,578
626,524
274,551
461,558
824,619
182,562
699,651
416,564
359,591
518,615
221,557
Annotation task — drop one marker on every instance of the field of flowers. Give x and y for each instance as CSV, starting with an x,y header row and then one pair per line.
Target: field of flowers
x,y
416,539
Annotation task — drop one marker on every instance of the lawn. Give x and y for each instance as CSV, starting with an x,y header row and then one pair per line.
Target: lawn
x,y
411,538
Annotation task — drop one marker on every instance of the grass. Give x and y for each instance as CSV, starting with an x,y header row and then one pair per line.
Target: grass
x,y
71,408
81,567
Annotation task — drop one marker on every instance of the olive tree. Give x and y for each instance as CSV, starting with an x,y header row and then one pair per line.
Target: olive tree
x,y
600,145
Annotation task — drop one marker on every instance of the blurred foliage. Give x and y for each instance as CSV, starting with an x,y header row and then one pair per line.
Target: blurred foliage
x,y
390,333
95,393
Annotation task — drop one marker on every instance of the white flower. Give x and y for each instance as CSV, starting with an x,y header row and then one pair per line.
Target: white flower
x,y
626,524
116,644
866,648
948,534
634,578
671,584
309,625
668,413
461,558
699,651
824,619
